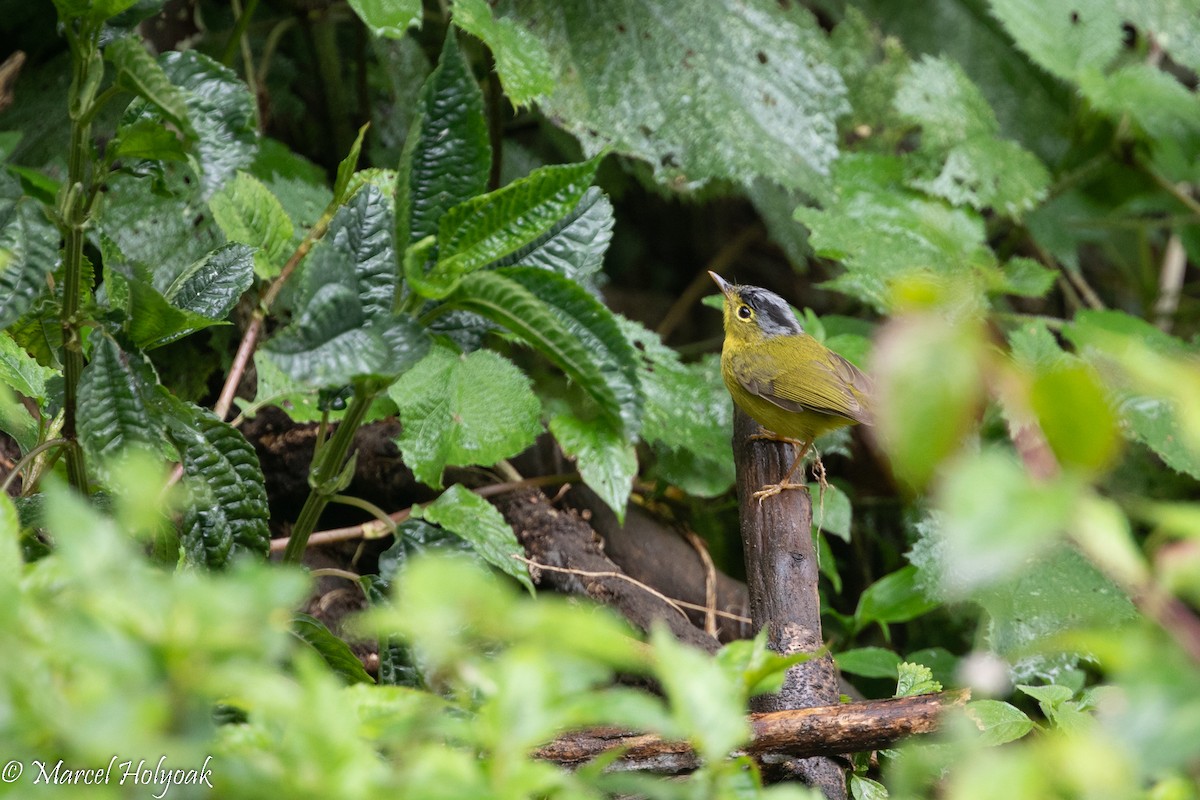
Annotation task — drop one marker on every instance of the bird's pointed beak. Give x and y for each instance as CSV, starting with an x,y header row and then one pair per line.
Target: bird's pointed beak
x,y
722,284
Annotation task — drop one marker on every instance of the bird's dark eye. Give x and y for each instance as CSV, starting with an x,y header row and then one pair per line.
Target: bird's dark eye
x,y
744,312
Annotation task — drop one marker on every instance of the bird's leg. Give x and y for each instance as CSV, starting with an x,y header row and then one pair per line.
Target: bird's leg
x,y
770,490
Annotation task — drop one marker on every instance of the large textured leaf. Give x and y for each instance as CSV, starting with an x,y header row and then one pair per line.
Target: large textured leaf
x,y
575,246
689,416
115,397
221,111
211,286
604,459
390,18
458,410
151,320
358,252
332,342
569,327
227,515
28,252
521,61
487,228
140,73
461,511
699,89
1068,38
446,156
249,213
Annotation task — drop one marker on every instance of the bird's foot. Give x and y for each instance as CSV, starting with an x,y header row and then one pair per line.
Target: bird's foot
x,y
773,489
770,436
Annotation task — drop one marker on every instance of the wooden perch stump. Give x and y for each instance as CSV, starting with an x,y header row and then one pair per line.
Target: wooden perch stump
x,y
782,575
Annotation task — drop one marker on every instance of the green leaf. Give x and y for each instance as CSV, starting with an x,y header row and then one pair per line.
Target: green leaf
x,y
999,722
145,140
869,662
568,326
832,513
937,94
116,390
332,650
985,172
909,233
22,374
345,183
575,246
221,111
915,679
390,18
688,420
447,156
28,252
212,286
706,704
604,459
228,513
862,788
151,320
484,229
1075,415
300,185
1161,106
753,664
249,213
358,253
1068,38
521,60
468,515
893,598
332,342
139,72
458,410
1027,278
700,90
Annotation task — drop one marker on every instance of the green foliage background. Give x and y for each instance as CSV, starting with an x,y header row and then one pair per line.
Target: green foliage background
x,y
992,206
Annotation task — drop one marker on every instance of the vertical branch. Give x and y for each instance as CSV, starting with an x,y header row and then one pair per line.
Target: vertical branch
x,y
781,575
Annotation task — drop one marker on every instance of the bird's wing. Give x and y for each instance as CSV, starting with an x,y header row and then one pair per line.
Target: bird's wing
x,y
844,393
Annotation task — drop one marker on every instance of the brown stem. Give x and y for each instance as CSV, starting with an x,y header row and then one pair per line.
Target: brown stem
x,y
822,731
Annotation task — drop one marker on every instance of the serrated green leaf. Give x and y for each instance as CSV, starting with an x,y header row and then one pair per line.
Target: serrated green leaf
x,y
468,515
1162,107
115,388
28,252
332,650
211,286
21,373
447,156
999,722
896,597
332,342
221,111
869,662
688,420
390,18
698,90
485,229
862,788
228,513
1069,38
937,94
151,320
458,410
145,140
300,185
139,72
249,213
521,60
1027,278
604,459
575,246
881,231
568,326
985,172
915,679
358,253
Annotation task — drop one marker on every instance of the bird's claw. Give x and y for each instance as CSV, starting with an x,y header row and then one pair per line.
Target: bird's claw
x,y
776,488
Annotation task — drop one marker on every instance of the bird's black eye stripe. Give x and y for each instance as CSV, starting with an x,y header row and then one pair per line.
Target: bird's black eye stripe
x,y
744,312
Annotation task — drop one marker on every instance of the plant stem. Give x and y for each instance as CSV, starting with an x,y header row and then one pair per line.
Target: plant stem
x,y
327,465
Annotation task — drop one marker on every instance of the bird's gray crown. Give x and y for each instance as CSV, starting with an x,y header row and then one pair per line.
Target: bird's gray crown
x,y
775,316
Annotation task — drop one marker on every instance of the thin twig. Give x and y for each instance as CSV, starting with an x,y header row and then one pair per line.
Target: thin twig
x,y
710,581
1074,279
678,605
1175,190
1170,283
